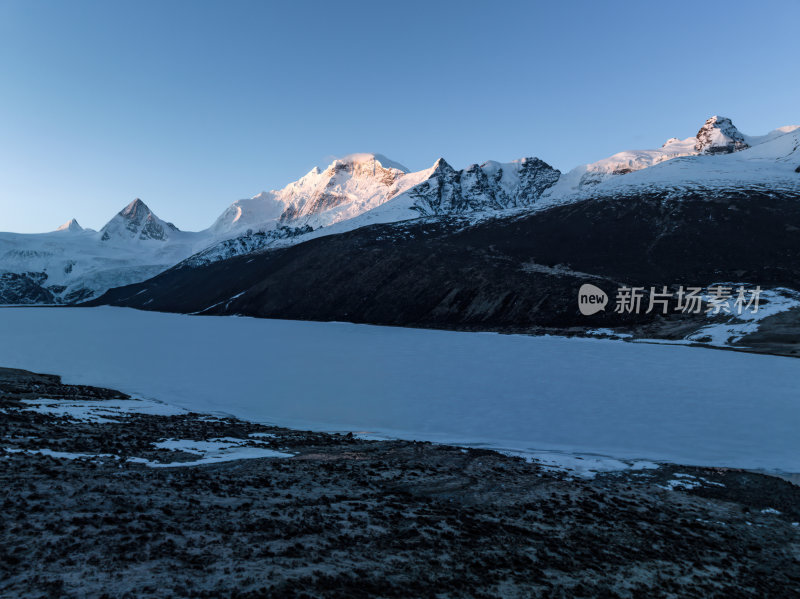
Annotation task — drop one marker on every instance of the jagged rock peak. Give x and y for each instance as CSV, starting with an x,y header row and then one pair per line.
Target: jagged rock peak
x,y
442,165
534,162
719,136
71,225
489,186
137,221
135,209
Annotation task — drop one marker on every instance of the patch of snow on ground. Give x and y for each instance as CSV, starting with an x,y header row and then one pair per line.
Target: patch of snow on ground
x,y
608,333
582,465
63,455
213,451
680,483
105,411
370,437
688,481
736,326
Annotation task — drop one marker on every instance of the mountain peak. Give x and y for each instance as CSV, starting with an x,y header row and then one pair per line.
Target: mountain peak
x,y
347,187
367,157
134,209
137,221
719,136
71,226
442,165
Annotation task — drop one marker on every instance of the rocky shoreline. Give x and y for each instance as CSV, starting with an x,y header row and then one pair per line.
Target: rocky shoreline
x,y
106,495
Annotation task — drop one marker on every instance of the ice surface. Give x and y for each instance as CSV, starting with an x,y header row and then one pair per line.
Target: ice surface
x,y
531,394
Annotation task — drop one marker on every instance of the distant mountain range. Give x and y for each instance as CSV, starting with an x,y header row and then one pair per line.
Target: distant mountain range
x,y
368,199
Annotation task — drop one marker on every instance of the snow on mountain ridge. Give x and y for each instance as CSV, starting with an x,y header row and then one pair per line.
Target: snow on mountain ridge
x,y
754,140
718,135
379,158
770,166
347,187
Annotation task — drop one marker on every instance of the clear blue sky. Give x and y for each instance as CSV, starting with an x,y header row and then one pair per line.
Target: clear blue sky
x,y
191,105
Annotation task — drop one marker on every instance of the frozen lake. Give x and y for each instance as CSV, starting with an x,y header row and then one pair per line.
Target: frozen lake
x,y
533,394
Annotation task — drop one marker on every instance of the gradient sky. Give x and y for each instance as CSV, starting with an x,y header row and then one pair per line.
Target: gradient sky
x,y
191,105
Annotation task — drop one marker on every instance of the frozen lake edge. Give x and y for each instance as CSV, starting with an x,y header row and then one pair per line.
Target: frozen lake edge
x,y
533,395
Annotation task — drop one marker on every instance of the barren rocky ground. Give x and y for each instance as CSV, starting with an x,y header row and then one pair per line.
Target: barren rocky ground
x,y
347,517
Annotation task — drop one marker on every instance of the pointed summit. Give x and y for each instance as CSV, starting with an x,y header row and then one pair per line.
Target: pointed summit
x,y
71,225
137,221
135,208
719,136
442,165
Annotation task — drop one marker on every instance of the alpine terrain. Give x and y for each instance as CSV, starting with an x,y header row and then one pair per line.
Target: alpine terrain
x,y
507,246
497,246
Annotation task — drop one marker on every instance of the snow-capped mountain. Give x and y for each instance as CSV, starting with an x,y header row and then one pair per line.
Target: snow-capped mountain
x,y
137,222
767,163
72,263
71,226
358,190
717,136
489,186
359,183
363,189
717,155
346,188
